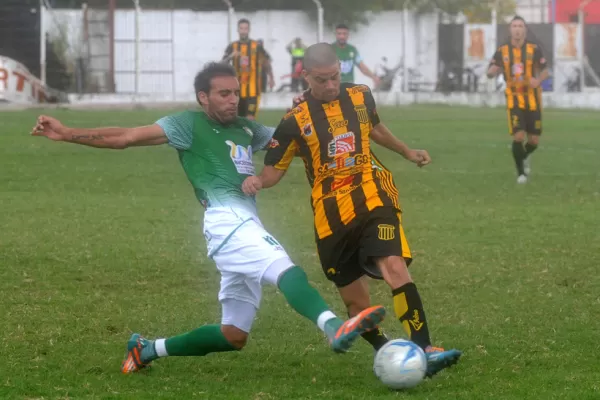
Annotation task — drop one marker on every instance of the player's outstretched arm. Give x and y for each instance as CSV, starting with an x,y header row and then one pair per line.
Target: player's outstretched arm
x,y
384,137
268,177
109,138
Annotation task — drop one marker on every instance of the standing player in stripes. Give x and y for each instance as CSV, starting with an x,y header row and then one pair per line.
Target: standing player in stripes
x,y
357,215
524,68
249,57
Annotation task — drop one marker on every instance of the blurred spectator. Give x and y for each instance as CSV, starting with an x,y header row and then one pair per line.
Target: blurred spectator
x,y
296,48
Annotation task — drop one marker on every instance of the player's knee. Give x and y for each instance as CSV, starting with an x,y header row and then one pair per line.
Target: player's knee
x,y
235,336
394,270
519,136
533,139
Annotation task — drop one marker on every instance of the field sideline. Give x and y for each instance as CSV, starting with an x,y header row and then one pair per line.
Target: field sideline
x,y
97,244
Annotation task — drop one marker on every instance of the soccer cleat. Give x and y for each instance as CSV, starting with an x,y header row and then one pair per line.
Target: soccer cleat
x,y
522,179
133,359
527,166
438,359
365,321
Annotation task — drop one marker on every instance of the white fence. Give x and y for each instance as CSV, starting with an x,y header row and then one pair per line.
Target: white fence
x,y
158,52
173,45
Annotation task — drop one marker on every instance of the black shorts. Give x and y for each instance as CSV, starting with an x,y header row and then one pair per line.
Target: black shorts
x,y
348,255
248,106
528,121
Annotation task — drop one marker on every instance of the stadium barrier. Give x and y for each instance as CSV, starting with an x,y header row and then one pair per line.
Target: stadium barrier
x,y
585,100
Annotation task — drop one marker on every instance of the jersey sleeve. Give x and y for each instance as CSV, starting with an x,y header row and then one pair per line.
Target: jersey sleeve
x,y
228,51
283,146
262,135
357,57
539,59
263,52
371,108
496,59
179,129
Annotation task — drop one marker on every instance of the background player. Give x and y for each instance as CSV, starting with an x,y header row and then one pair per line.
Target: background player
x,y
355,201
524,68
350,57
249,58
215,151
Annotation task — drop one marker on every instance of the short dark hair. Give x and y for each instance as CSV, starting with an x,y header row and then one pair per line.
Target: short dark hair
x,y
518,18
319,55
342,26
203,80
243,21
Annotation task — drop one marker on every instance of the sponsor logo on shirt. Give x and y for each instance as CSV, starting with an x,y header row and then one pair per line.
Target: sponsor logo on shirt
x,y
241,157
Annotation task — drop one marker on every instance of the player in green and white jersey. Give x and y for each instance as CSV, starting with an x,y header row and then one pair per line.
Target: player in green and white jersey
x,y
350,57
215,149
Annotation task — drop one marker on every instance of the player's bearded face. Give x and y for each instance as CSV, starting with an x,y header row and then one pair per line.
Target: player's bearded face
x,y
221,103
517,30
341,35
324,82
244,31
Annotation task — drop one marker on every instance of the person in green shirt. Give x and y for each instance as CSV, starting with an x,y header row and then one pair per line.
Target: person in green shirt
x,y
350,57
215,148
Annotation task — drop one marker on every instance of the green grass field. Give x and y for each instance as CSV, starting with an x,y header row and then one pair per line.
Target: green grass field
x,y
97,244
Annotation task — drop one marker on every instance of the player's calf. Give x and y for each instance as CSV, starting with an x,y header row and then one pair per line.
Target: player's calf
x,y
407,301
356,298
519,153
235,336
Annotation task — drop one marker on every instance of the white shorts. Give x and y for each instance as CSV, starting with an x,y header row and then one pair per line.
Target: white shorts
x,y
247,256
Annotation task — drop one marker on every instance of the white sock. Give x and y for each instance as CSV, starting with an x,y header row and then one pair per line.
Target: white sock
x,y
160,348
323,318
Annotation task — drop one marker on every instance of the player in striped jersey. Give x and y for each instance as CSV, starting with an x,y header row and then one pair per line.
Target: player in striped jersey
x,y
357,215
524,69
249,58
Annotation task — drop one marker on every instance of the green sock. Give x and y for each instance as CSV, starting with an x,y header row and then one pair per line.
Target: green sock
x,y
199,342
307,301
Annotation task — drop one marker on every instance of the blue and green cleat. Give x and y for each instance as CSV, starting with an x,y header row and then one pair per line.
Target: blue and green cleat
x,y
439,359
133,359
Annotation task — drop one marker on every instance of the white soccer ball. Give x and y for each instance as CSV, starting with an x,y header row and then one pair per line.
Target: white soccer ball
x,y
400,364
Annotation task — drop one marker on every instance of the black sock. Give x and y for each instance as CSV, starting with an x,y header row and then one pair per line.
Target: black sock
x,y
409,310
530,148
519,154
376,338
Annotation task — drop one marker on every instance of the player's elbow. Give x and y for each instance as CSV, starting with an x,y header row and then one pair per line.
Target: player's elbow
x,y
378,136
270,176
119,143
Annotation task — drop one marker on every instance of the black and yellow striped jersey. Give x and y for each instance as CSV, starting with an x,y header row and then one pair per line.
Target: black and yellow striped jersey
x,y
519,65
249,60
333,140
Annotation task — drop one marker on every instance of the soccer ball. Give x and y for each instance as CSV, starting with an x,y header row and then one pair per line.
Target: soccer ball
x,y
400,364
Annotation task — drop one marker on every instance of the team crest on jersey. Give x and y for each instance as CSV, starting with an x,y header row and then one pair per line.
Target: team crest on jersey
x,y
273,143
362,113
248,131
307,130
241,157
341,144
